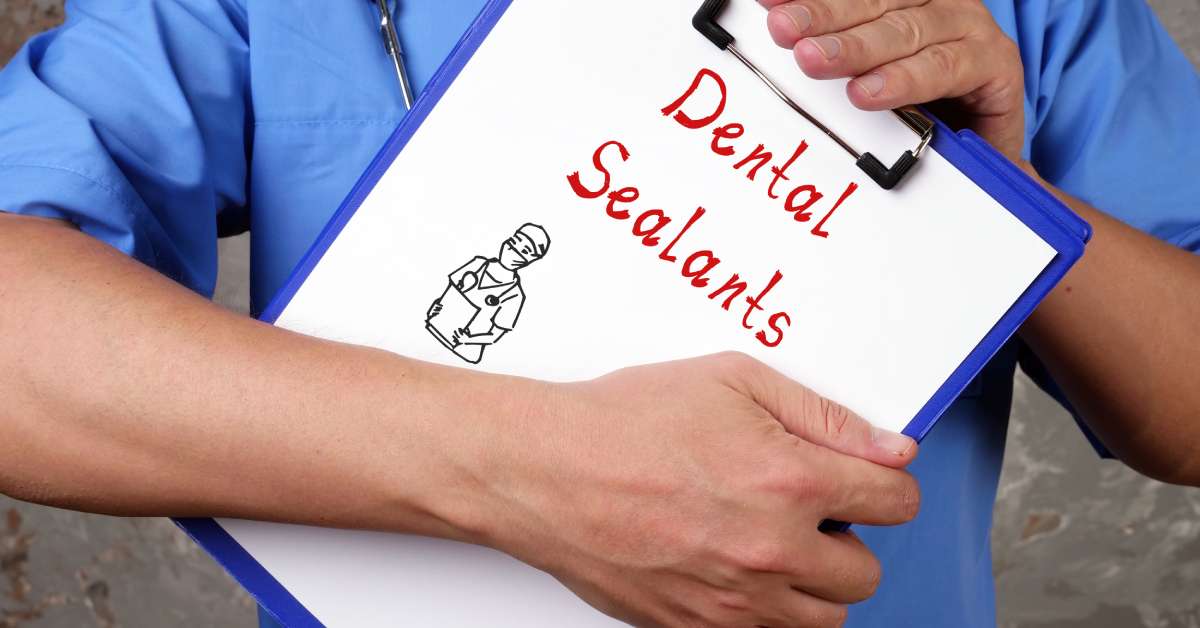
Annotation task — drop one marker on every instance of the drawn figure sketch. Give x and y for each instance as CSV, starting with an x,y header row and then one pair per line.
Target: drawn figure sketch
x,y
483,299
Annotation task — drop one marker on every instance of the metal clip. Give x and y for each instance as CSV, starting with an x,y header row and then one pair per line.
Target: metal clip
x,y
705,21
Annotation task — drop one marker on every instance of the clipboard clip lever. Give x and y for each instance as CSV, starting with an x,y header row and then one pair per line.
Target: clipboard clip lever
x,y
887,178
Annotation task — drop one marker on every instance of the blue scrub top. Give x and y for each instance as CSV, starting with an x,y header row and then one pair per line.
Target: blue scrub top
x,y
158,125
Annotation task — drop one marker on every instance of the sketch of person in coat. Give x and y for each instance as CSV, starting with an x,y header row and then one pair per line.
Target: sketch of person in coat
x,y
484,298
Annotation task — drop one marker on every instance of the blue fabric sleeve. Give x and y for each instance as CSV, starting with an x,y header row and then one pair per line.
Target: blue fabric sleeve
x,y
130,122
1114,123
1115,117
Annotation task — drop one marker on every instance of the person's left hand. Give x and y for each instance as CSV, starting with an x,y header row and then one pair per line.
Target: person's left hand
x,y
906,52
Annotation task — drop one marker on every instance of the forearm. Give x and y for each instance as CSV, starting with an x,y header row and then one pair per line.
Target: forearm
x,y
127,394
1119,336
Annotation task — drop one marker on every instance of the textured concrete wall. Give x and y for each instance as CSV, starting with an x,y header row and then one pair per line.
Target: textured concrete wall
x,y
20,18
1079,542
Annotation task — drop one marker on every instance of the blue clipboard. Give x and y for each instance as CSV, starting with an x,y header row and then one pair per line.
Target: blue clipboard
x,y
1032,204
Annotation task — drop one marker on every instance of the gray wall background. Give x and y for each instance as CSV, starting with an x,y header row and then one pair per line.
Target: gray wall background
x,y
1078,542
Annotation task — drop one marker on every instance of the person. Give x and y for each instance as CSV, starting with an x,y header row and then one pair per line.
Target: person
x,y
141,131
485,296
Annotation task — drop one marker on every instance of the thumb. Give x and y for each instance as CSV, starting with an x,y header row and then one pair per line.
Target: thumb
x,y
824,422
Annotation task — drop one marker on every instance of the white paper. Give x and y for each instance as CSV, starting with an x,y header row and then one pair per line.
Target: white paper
x,y
883,309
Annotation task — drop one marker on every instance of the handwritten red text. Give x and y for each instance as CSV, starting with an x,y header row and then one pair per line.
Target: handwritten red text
x,y
699,265
801,201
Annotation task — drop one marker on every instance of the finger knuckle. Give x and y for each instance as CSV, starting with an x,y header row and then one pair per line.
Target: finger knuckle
x,y
1009,45
944,61
777,479
838,615
908,28
718,564
855,51
799,483
910,498
826,615
823,16
900,78
1010,52
717,616
823,416
876,8
833,416
732,601
736,361
763,556
872,577
970,9
684,611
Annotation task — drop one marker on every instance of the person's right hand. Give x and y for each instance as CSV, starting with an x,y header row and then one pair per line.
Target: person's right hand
x,y
690,493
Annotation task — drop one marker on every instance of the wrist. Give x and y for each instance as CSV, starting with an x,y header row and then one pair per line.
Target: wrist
x,y
467,436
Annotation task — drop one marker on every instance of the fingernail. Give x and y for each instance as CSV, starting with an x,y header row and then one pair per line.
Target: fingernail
x,y
800,17
872,83
898,444
829,47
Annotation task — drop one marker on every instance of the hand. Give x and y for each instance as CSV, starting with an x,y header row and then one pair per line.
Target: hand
x,y
689,494
434,309
905,52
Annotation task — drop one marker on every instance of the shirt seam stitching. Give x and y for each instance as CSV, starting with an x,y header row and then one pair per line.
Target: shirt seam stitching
x,y
126,206
318,122
116,194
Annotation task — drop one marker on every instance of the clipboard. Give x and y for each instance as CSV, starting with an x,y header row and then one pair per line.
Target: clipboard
x,y
1032,205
